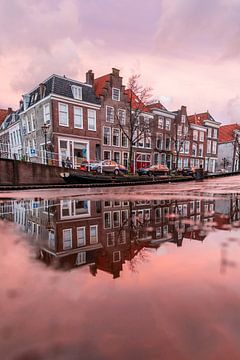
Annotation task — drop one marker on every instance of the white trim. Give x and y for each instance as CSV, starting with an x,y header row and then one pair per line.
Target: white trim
x,y
73,101
59,106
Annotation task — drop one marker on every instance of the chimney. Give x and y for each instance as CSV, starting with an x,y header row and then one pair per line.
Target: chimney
x,y
9,110
20,104
115,72
90,77
42,90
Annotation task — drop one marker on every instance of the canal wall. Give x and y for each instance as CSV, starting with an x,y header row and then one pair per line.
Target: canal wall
x,y
14,172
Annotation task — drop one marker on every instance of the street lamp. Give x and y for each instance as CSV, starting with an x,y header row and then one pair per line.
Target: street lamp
x,y
45,128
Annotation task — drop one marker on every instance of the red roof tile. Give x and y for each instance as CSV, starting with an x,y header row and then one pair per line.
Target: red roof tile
x,y
136,103
199,119
226,132
157,105
3,114
100,83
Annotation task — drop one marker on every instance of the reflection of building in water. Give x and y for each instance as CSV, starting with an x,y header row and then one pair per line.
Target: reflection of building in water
x,y
227,211
106,234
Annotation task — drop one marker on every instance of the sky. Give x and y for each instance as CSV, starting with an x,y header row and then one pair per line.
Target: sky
x,y
187,51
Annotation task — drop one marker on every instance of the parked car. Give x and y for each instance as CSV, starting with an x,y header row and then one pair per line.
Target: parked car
x,y
153,170
188,171
108,166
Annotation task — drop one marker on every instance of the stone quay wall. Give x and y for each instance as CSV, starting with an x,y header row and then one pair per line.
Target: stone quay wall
x,y
14,172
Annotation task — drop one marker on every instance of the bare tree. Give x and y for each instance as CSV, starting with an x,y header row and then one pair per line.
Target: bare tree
x,y
135,126
236,152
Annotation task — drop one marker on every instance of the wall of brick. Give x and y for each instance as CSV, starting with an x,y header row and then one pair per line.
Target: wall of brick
x,y
21,173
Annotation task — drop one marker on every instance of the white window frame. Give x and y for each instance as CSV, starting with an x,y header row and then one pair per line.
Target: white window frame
x,y
95,119
201,136
66,112
119,137
195,135
91,241
124,117
76,126
116,98
112,115
64,231
46,113
168,124
119,256
84,239
77,92
110,135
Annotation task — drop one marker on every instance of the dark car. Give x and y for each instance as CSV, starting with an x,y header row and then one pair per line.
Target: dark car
x,y
187,171
153,170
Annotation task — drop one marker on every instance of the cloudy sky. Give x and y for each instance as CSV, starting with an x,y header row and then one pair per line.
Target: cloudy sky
x,y
188,51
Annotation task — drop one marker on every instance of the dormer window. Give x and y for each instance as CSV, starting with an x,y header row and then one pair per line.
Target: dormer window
x,y
77,92
115,94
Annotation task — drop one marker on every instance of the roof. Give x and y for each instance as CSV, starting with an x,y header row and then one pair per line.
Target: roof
x,y
137,104
3,114
199,119
226,132
61,85
157,105
100,84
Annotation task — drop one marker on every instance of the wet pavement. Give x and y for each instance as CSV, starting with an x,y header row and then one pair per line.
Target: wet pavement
x,y
147,272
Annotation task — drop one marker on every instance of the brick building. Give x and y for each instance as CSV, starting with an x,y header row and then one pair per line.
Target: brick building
x,y
69,109
205,135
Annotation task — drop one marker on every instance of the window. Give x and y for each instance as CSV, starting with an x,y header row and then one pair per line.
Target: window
x,y
183,119
122,116
116,157
67,239
33,121
81,236
124,217
194,150
168,144
107,136
107,220
77,92
78,117
81,258
209,132
195,135
46,113
63,114
116,256
124,140
93,234
29,125
122,237
106,155
215,133
209,146
168,124
186,147
116,218
116,137
148,142
109,114
185,162
200,150
125,159
201,136
92,120
115,94
159,141
158,215
160,123
179,130
110,239
214,147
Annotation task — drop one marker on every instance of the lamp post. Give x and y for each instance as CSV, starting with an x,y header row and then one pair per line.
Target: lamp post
x,y
45,128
